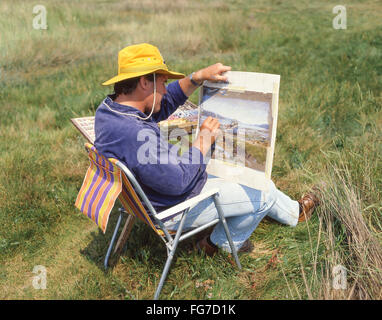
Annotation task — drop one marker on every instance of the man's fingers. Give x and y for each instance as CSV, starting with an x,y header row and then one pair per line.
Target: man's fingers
x,y
215,73
209,120
210,124
220,78
206,121
215,123
225,68
215,128
220,74
222,67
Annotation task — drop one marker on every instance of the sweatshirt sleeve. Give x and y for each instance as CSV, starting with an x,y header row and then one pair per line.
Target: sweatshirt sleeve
x,y
174,98
159,166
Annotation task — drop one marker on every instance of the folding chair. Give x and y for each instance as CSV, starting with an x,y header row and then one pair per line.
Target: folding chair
x,y
107,179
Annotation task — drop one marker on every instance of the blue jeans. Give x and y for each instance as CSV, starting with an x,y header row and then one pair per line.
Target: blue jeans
x,y
243,208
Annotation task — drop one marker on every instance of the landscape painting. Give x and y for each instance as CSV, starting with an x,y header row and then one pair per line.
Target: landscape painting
x,y
246,123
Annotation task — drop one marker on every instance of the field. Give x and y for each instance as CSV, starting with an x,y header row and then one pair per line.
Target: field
x,y
328,135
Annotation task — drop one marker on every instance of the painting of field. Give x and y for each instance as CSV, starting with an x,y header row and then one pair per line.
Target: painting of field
x,y
246,123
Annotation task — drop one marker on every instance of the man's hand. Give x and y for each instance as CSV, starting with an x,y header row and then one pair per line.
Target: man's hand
x,y
209,130
213,73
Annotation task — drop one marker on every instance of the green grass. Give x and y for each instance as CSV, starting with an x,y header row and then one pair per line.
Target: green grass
x,y
329,129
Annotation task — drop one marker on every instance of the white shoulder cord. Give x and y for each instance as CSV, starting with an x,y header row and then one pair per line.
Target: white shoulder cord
x,y
135,115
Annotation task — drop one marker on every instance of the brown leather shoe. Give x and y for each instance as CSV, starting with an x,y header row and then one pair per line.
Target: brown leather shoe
x,y
199,236
308,203
246,246
203,245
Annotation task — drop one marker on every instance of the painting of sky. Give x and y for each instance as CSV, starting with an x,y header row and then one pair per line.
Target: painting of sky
x,y
244,111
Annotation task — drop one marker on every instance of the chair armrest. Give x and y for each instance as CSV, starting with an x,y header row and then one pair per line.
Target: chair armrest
x,y
186,204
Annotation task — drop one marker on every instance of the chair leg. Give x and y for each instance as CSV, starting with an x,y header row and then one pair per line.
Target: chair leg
x,y
171,254
228,234
106,261
164,273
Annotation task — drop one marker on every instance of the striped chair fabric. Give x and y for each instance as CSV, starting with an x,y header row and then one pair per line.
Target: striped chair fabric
x,y
104,182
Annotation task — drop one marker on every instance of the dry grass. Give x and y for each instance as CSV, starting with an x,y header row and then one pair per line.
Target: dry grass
x,y
345,238
360,251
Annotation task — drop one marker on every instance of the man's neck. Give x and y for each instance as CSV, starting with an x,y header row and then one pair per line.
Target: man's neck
x,y
128,100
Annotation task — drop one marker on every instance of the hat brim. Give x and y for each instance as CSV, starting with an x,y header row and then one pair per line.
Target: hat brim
x,y
125,76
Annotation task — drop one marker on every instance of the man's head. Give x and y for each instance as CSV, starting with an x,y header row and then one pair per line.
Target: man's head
x,y
142,89
136,67
128,86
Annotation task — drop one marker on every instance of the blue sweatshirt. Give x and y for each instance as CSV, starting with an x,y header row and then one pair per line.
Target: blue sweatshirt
x,y
164,176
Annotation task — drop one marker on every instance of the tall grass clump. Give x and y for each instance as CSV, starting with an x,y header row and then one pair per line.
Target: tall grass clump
x,y
350,240
348,236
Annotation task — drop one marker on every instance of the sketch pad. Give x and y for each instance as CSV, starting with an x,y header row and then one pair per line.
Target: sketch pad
x,y
86,126
247,108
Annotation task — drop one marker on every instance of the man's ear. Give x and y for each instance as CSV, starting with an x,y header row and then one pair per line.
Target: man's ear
x,y
143,83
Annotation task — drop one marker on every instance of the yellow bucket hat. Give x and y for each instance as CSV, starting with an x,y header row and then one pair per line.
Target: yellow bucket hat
x,y
138,60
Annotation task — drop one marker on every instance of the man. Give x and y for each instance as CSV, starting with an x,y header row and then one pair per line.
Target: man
x,y
126,128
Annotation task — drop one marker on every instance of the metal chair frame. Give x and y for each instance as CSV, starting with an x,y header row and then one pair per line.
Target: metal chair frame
x,y
170,241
